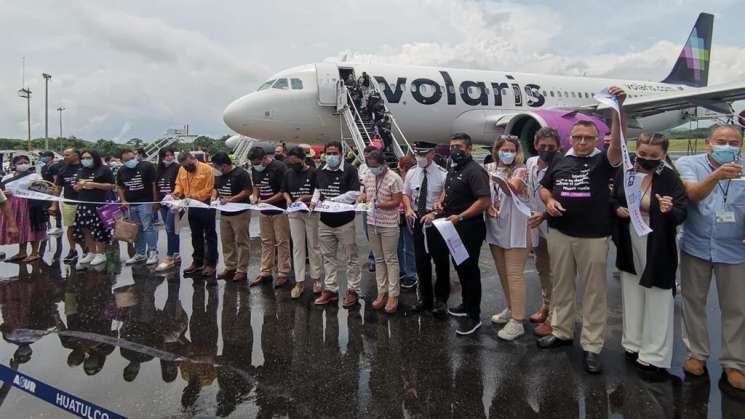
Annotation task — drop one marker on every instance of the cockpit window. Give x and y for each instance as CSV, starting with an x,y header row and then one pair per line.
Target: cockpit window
x,y
297,84
267,84
281,84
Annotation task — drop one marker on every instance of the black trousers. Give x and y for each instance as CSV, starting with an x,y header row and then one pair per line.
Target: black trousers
x,y
438,252
472,233
202,225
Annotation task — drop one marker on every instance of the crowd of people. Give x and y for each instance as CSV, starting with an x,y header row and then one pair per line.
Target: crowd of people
x,y
577,206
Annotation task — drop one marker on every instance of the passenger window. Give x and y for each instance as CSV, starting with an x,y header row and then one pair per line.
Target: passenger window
x,y
297,84
552,93
573,94
281,84
265,85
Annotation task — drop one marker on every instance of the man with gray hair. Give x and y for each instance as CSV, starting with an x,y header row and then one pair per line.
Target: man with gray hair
x,y
713,244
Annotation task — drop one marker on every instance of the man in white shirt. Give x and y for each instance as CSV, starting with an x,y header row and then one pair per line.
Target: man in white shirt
x,y
547,143
422,187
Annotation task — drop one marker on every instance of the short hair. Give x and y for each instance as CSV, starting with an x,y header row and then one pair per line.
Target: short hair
x,y
297,152
73,150
733,127
377,156
141,150
256,153
548,132
587,123
21,156
96,158
182,156
463,137
221,158
336,144
369,149
125,151
46,153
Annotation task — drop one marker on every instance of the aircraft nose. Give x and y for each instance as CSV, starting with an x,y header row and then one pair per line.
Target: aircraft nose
x,y
234,111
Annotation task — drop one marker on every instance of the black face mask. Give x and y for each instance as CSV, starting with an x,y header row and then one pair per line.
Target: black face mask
x,y
298,167
458,156
190,167
547,155
648,165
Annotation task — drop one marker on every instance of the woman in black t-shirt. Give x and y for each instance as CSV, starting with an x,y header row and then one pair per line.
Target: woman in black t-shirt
x,y
93,182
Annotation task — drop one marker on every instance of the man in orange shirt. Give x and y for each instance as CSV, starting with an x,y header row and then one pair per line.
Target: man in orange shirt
x,y
195,180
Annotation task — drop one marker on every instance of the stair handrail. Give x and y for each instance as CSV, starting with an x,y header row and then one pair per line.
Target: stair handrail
x,y
400,153
357,116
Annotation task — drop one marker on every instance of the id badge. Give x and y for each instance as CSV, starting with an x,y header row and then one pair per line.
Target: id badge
x,y
725,217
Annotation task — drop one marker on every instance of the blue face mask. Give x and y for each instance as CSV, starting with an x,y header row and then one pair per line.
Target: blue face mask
x,y
506,157
131,163
44,159
724,154
376,170
259,167
332,160
87,163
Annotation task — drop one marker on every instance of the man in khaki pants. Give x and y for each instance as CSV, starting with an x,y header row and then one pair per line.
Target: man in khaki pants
x,y
274,227
233,186
575,191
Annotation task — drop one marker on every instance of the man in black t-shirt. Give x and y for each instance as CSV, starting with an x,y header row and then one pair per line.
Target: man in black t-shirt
x,y
576,193
233,186
268,174
463,202
65,180
49,172
298,186
338,181
136,186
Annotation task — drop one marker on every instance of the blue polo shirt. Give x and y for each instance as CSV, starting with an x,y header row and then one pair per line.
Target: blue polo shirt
x,y
703,237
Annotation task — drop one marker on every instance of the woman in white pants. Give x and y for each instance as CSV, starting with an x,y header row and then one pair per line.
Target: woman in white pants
x,y
648,262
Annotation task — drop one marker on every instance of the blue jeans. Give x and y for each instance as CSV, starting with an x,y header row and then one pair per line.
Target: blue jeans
x,y
147,238
169,221
406,260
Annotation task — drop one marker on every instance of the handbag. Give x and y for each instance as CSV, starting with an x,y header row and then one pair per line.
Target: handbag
x,y
125,230
108,213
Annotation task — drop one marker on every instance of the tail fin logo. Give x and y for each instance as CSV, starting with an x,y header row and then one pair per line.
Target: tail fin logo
x,y
696,55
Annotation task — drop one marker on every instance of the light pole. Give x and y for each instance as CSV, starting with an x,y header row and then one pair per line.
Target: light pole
x,y
26,94
46,109
60,109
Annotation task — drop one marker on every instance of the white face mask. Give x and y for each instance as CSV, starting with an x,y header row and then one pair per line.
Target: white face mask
x,y
422,162
216,172
22,167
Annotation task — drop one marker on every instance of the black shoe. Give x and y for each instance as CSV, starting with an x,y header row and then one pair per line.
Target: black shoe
x,y
551,341
421,306
457,311
371,266
592,363
192,269
468,326
439,308
631,356
408,282
71,257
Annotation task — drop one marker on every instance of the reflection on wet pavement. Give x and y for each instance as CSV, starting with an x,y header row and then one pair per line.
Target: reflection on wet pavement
x,y
146,345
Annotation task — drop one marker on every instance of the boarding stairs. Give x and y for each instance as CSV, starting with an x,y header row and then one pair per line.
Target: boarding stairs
x,y
172,136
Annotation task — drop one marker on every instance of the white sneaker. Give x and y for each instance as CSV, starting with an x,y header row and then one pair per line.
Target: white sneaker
x,y
137,258
98,259
87,258
512,330
152,259
503,317
55,231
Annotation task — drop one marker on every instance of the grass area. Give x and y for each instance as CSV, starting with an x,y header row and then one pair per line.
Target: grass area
x,y
680,145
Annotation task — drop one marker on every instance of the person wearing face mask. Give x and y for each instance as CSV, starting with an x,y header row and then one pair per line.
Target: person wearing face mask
x,y
547,143
423,185
66,178
648,263
337,182
196,180
233,185
713,243
136,181
165,181
30,217
268,174
299,185
383,191
49,171
93,183
406,259
362,171
465,198
507,232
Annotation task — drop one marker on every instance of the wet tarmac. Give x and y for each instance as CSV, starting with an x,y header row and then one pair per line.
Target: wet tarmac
x,y
146,345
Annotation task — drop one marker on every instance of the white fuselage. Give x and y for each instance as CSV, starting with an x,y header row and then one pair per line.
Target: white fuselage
x,y
429,103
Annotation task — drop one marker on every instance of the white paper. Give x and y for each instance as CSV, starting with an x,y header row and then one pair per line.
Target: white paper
x,y
519,205
630,180
452,240
297,207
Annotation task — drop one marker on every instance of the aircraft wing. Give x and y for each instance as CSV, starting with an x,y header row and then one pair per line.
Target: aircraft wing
x,y
715,98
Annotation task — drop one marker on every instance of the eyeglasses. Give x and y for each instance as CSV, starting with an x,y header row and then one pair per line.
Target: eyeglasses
x,y
508,138
584,138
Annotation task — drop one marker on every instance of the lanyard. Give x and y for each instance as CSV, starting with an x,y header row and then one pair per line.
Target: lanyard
x,y
725,191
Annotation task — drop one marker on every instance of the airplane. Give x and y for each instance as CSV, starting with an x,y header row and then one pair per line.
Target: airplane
x,y
302,104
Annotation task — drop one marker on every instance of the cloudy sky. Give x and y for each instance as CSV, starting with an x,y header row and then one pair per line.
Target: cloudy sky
x,y
135,68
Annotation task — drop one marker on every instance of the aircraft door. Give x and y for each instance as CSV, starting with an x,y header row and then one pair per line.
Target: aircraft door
x,y
327,76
